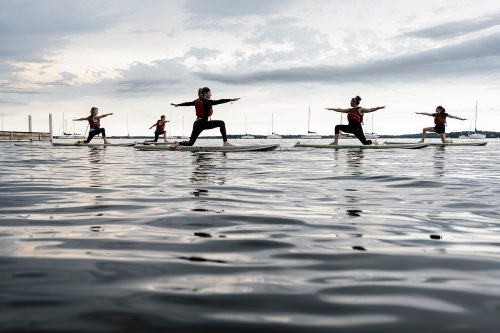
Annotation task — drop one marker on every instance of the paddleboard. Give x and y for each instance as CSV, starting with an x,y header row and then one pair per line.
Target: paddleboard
x,y
440,144
210,148
162,143
404,146
72,144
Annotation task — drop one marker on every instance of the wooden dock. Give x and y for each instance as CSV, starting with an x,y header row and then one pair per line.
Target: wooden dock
x,y
23,136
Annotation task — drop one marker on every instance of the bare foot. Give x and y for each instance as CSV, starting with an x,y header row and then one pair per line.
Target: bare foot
x,y
375,142
174,145
227,144
106,142
421,141
79,142
334,143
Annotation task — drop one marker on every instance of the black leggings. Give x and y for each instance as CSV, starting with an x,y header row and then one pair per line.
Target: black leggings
x,y
94,133
353,128
157,135
200,125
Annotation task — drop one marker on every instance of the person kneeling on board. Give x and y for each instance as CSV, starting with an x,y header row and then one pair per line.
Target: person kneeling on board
x,y
95,126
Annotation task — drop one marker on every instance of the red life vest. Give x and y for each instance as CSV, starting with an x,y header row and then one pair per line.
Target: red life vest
x,y
200,111
94,124
160,127
440,118
353,115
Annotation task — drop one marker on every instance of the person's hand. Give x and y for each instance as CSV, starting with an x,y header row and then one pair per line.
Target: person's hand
x,y
235,99
176,105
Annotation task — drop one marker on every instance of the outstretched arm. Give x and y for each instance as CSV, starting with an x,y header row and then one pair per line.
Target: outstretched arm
x,y
183,104
80,119
372,109
103,115
338,110
222,101
425,113
455,117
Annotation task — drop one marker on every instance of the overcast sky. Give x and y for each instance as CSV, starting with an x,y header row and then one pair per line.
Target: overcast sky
x,y
134,58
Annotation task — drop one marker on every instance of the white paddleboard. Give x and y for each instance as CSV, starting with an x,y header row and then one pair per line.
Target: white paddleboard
x,y
210,148
403,146
440,144
72,144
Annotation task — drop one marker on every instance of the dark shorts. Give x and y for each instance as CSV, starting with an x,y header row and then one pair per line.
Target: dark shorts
x,y
439,128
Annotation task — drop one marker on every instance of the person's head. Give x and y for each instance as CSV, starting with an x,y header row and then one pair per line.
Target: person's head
x,y
162,117
204,92
355,101
440,109
93,111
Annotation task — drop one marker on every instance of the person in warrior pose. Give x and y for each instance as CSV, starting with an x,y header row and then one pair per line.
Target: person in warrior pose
x,y
439,123
160,129
95,126
355,119
203,106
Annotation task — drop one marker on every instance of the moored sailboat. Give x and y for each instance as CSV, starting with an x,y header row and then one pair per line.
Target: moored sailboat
x,y
476,134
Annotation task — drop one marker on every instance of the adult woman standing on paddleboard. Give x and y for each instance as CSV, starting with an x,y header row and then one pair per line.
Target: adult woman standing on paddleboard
x,y
203,106
440,123
355,118
95,125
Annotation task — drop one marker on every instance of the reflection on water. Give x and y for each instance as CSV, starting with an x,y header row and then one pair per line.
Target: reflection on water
x,y
439,161
209,168
97,169
354,160
301,240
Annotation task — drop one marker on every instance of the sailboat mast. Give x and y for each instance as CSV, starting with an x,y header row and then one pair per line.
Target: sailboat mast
x,y
475,120
308,120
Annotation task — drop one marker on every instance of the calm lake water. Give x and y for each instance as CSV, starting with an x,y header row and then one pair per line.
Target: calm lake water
x,y
113,239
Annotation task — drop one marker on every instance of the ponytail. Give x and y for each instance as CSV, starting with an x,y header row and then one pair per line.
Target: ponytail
x,y
202,91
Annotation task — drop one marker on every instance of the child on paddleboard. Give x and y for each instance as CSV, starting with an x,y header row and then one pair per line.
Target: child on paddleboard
x,y
203,106
355,119
95,126
440,123
160,129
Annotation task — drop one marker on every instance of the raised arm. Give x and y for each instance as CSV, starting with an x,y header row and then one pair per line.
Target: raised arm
x,y
372,109
338,110
425,113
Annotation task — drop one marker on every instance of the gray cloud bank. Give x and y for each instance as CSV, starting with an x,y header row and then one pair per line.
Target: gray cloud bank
x,y
455,29
472,58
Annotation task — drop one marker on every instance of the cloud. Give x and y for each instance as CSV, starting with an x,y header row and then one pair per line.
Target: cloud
x,y
477,57
455,29
202,53
217,8
142,78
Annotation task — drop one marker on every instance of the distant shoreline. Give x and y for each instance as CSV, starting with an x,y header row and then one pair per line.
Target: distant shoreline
x,y
453,135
